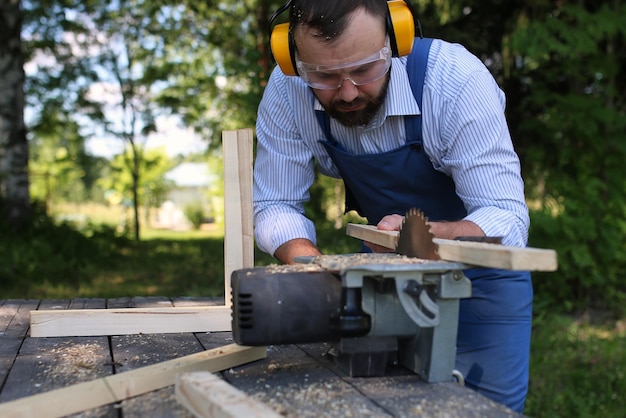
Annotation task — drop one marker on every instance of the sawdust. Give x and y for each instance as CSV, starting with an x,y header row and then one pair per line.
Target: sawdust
x,y
291,268
343,261
340,262
70,363
75,362
336,399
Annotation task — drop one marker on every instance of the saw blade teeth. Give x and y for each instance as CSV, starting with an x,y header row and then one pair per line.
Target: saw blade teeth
x,y
417,240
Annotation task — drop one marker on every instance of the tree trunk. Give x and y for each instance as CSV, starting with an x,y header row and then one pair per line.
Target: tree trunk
x,y
14,193
135,188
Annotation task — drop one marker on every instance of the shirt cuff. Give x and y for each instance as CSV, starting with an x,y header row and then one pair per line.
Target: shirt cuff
x,y
274,229
496,222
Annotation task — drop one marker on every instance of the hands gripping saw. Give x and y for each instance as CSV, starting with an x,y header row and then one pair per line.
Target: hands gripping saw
x,y
375,309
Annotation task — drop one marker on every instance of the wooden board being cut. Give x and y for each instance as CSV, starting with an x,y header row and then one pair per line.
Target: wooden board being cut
x,y
475,253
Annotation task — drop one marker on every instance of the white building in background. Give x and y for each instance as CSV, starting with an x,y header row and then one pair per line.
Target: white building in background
x,y
192,182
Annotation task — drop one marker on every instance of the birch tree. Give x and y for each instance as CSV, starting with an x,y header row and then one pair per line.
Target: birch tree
x,y
14,195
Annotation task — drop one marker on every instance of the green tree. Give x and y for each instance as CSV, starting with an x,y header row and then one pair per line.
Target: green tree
x,y
217,63
60,167
119,183
114,67
570,58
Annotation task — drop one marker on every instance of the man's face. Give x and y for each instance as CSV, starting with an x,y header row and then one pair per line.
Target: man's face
x,y
356,57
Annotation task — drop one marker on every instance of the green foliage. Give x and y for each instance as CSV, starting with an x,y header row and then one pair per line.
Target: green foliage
x,y
216,64
51,254
573,148
52,260
152,186
591,260
577,368
194,214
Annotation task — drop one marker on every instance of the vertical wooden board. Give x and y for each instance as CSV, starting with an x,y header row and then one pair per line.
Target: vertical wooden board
x,y
238,222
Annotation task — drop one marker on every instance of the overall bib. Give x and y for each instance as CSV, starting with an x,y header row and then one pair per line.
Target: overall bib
x,y
493,340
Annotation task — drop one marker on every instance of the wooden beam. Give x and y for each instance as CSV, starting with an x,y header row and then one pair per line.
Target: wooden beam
x,y
369,233
238,228
118,387
125,321
474,253
207,396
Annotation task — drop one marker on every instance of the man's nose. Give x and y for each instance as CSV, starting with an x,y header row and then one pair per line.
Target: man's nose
x,y
348,91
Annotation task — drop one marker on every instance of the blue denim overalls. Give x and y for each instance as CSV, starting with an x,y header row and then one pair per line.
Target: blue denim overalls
x,y
493,341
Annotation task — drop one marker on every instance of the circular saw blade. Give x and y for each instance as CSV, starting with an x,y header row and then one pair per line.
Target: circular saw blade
x,y
415,238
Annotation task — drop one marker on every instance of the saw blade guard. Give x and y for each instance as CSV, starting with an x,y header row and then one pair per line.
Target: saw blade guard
x,y
417,302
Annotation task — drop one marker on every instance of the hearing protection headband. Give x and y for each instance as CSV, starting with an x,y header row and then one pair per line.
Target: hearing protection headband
x,y
401,26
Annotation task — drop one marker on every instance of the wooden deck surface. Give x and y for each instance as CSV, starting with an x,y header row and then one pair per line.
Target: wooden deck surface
x,y
296,381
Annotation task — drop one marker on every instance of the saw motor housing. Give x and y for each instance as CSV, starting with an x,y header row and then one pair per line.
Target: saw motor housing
x,y
375,309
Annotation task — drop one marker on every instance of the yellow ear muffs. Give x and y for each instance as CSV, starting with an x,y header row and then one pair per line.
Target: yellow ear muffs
x,y
400,27
283,49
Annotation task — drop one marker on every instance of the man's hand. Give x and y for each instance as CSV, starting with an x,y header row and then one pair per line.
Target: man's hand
x,y
446,230
294,248
388,223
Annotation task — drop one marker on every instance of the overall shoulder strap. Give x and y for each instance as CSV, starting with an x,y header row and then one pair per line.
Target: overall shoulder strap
x,y
416,70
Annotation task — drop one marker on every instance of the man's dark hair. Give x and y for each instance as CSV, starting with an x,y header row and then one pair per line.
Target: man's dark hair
x,y
330,17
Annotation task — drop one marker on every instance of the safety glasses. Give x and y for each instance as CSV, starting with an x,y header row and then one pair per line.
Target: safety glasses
x,y
331,77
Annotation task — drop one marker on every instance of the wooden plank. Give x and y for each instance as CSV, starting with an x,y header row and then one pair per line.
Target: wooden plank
x,y
122,321
369,233
474,253
238,228
497,256
207,396
109,389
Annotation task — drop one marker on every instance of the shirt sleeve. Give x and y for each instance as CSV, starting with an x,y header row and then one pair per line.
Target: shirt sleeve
x,y
283,170
478,153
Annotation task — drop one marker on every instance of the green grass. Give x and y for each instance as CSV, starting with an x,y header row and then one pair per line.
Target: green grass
x,y
182,266
578,362
92,260
578,366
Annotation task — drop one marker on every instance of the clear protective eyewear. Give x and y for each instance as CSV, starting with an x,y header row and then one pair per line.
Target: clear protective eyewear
x,y
331,77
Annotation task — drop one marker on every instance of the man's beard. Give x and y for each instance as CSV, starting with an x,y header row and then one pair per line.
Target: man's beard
x,y
360,117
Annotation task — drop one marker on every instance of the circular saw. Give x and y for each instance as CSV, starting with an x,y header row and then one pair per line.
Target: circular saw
x,y
415,238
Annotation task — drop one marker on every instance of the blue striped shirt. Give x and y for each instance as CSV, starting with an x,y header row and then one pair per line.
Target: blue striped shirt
x,y
465,136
